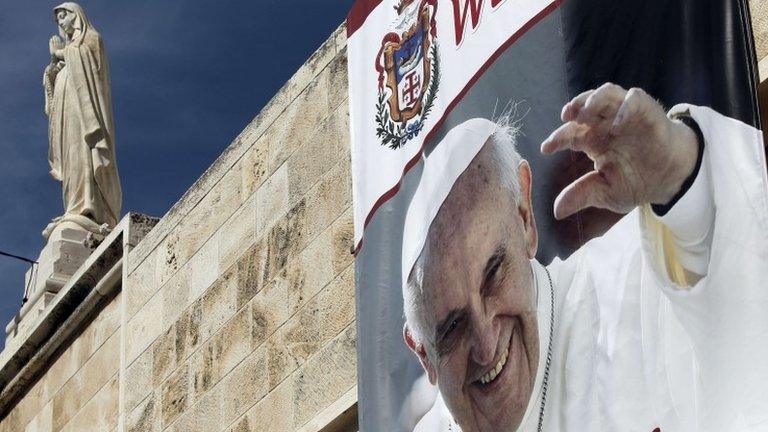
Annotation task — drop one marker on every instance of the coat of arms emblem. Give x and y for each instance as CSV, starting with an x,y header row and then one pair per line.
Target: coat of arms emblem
x,y
409,73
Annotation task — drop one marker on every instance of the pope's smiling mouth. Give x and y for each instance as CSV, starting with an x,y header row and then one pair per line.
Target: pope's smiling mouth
x,y
496,371
490,377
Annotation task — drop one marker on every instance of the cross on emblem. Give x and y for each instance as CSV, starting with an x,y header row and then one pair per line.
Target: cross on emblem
x,y
412,88
408,73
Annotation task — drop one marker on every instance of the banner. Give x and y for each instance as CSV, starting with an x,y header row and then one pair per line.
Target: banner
x,y
454,108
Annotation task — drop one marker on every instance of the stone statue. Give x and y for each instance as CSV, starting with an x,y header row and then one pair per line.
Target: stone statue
x,y
78,104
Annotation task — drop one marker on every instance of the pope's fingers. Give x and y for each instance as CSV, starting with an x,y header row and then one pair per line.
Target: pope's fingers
x,y
630,110
603,103
572,108
569,136
588,191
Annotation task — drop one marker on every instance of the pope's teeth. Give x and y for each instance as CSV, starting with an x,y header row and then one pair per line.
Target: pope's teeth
x,y
490,376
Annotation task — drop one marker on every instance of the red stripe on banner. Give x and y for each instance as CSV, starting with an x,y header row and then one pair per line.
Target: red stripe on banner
x,y
411,163
359,13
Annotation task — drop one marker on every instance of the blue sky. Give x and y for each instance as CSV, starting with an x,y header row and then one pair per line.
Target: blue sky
x,y
187,77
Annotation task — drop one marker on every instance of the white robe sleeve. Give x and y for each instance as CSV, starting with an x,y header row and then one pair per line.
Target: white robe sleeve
x,y
731,184
690,223
709,256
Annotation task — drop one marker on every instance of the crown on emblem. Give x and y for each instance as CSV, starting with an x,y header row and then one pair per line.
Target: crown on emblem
x,y
402,5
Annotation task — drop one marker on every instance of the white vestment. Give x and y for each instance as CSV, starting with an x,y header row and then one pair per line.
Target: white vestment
x,y
663,321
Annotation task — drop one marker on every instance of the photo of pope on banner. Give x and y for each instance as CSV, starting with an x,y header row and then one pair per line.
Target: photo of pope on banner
x,y
660,324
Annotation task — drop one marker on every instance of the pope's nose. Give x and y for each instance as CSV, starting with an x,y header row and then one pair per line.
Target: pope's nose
x,y
485,340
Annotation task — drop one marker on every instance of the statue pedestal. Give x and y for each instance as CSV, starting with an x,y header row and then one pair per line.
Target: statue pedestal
x,y
69,246
65,252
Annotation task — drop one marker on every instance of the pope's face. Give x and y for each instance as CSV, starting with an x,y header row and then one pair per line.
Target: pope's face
x,y
480,302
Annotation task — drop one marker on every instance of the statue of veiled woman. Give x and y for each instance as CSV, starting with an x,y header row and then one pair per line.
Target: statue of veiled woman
x,y
81,131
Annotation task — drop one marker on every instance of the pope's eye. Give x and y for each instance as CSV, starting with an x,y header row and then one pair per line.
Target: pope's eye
x,y
449,335
452,327
492,277
495,269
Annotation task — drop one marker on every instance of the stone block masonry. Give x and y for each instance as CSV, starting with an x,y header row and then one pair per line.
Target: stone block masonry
x,y
246,294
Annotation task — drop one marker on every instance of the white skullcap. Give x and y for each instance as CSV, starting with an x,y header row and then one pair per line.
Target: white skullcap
x,y
450,158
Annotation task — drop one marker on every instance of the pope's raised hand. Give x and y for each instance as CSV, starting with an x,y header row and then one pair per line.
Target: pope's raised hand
x,y
640,155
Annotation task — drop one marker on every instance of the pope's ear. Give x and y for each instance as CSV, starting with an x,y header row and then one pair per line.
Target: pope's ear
x,y
418,349
525,207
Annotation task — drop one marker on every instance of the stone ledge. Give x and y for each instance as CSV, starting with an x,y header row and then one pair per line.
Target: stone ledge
x,y
89,290
337,416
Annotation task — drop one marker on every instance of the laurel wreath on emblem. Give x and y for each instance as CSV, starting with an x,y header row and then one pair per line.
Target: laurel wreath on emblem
x,y
396,135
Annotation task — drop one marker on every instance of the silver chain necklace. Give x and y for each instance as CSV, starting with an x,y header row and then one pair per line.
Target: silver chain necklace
x,y
545,381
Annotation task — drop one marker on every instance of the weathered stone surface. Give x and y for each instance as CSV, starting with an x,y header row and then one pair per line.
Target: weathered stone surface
x,y
322,151
283,242
168,260
174,396
221,353
204,270
238,233
188,332
250,380
100,413
64,253
91,378
43,422
144,328
280,361
144,418
139,380
759,13
338,80
254,167
272,200
343,238
163,355
176,296
328,200
337,364
173,347
322,318
29,408
219,303
205,415
274,413
269,310
140,285
250,268
298,123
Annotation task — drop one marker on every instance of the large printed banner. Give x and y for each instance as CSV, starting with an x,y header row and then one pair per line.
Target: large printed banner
x,y
552,200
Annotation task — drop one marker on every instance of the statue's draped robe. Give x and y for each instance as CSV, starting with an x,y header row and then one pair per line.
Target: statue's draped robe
x,y
81,133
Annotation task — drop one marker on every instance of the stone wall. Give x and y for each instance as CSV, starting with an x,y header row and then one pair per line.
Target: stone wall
x,y
240,303
79,392
759,12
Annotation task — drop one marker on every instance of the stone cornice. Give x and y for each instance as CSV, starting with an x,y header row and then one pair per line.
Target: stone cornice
x,y
89,290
